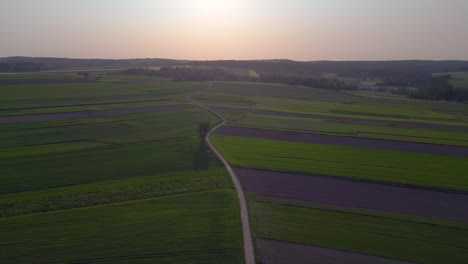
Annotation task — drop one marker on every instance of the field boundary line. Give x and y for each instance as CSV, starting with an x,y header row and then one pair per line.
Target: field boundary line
x,y
244,213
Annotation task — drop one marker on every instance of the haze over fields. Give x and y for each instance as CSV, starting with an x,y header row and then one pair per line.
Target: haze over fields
x,y
236,29
234,131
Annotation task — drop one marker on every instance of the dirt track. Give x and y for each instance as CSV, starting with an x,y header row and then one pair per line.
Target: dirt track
x,y
344,141
90,113
244,213
428,203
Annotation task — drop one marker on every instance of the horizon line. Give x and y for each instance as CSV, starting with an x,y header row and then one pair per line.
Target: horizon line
x,y
214,60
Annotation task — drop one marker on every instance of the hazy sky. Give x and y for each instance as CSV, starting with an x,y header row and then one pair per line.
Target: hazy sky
x,y
236,29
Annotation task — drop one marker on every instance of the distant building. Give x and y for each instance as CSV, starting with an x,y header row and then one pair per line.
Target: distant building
x,y
364,87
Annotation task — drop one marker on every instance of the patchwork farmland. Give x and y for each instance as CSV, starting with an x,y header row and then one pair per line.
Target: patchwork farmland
x,y
337,177
110,170
115,169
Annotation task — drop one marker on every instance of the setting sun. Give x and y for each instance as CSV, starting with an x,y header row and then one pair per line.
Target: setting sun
x,y
214,6
213,11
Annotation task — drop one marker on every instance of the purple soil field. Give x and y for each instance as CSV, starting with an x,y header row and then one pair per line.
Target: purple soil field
x,y
282,252
89,113
343,119
427,203
41,81
344,141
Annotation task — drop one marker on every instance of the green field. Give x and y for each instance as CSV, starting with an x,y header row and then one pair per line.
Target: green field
x,y
379,233
307,100
113,89
26,76
128,188
193,228
142,188
394,237
374,164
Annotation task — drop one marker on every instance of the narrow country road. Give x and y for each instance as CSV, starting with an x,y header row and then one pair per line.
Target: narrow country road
x,y
246,232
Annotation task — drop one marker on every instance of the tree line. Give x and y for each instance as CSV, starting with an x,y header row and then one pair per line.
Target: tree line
x,y
424,85
21,66
219,74
431,88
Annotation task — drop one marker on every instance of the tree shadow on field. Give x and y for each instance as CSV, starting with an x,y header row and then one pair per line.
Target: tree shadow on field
x,y
201,157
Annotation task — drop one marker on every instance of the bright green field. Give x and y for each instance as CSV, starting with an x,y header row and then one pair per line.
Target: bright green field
x,y
194,228
374,164
374,234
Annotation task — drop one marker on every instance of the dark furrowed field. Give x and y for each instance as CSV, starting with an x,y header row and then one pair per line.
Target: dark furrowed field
x,y
457,137
78,170
281,252
343,141
392,181
428,203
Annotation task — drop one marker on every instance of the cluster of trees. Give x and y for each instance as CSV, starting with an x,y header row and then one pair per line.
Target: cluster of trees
x,y
425,85
435,88
219,74
186,73
21,66
201,156
57,63
308,81
412,79
352,69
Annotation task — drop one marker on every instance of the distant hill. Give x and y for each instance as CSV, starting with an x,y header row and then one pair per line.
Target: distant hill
x,y
57,63
360,69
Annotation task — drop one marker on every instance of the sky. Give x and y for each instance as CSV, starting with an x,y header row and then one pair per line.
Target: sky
x,y
236,29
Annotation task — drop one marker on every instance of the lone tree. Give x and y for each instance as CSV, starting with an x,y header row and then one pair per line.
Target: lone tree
x,y
202,155
203,129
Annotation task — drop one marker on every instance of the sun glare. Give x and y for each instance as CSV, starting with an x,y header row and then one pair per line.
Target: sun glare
x,y
213,9
213,6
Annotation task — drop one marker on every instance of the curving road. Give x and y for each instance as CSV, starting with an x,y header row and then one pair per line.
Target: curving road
x,y
246,233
